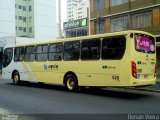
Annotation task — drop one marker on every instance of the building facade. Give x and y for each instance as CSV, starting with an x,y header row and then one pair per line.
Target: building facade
x,y
80,11
117,15
36,19
24,18
71,5
77,18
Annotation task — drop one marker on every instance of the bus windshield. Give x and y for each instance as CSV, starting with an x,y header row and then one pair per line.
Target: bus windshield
x,y
7,57
144,43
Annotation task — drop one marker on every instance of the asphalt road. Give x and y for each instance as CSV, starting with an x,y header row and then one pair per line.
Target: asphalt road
x,y
33,98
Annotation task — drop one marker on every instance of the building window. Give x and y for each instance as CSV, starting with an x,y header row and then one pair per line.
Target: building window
x,y
141,20
20,17
24,19
100,26
119,24
76,33
24,8
102,4
30,8
20,28
117,2
30,30
20,7
30,19
96,4
24,29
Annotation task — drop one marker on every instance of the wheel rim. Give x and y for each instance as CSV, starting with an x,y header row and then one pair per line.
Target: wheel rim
x,y
70,84
16,79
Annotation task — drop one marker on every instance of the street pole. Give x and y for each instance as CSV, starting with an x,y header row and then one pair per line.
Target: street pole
x,y
88,21
59,18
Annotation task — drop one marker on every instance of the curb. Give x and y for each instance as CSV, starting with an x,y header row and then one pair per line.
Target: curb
x,y
134,89
152,89
143,89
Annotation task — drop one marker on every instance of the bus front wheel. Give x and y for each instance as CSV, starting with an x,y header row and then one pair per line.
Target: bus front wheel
x,y
71,82
16,78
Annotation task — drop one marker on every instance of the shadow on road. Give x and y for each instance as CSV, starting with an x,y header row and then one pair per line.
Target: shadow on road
x,y
105,92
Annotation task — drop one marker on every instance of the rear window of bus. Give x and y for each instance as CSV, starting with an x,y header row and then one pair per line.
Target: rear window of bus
x,y
144,43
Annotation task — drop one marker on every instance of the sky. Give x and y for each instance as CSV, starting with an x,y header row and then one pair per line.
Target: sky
x,y
63,10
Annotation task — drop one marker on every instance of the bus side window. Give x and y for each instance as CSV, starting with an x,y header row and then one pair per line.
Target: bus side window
x,y
113,48
42,53
71,50
19,54
90,49
29,53
55,52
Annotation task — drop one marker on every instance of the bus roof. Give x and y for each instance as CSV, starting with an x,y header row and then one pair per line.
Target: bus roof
x,y
85,37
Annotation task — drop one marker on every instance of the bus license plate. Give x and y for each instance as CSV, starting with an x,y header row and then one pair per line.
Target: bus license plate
x,y
145,76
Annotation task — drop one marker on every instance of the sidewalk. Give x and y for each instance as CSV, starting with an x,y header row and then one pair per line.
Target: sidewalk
x,y
153,88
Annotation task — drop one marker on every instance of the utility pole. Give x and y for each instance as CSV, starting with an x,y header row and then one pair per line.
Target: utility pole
x,y
59,3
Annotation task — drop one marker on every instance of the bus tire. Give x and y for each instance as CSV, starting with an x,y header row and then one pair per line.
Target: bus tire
x,y
16,78
71,82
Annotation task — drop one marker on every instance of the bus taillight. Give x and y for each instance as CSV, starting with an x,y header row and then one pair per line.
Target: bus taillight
x,y
134,70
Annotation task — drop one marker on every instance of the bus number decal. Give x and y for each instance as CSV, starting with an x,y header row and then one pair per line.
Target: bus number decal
x,y
115,77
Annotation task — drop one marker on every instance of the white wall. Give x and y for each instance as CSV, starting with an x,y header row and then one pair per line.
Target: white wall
x,y
45,19
7,18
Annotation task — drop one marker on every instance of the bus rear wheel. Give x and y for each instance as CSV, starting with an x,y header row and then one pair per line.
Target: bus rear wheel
x,y
16,78
71,82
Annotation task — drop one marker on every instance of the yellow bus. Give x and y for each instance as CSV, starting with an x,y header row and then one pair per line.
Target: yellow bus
x,y
120,59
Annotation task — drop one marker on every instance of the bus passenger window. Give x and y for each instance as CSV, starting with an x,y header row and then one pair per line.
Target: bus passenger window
x,y
42,53
55,52
7,57
113,48
29,53
71,50
90,49
19,54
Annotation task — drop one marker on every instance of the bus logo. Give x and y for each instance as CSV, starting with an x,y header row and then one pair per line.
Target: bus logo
x,y
45,67
50,67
